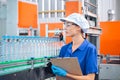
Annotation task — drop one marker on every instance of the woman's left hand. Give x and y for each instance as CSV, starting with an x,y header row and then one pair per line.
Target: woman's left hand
x,y
58,71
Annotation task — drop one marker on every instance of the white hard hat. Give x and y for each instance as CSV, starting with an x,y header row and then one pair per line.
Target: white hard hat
x,y
77,19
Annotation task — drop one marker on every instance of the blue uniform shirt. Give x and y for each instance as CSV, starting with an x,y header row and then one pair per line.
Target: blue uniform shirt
x,y
86,54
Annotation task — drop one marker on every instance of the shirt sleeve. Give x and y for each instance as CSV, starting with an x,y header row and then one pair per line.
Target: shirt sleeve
x,y
61,52
91,61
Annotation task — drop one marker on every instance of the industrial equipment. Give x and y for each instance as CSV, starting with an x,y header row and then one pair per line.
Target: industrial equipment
x,y
25,56
109,68
21,55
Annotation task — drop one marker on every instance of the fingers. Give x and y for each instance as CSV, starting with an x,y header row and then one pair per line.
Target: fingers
x,y
53,67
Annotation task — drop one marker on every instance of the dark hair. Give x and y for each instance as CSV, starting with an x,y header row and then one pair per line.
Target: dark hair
x,y
61,36
84,35
78,25
82,31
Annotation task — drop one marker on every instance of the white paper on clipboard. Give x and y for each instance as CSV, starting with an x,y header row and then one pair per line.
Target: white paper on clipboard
x,y
70,64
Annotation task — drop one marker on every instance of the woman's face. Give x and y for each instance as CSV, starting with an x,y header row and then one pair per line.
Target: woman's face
x,y
71,29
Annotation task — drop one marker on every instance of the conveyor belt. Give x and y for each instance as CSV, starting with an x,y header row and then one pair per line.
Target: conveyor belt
x,y
16,66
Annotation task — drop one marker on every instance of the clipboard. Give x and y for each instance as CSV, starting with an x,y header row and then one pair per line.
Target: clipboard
x,y
70,64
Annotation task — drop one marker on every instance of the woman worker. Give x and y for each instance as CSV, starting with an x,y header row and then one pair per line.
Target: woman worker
x,y
75,26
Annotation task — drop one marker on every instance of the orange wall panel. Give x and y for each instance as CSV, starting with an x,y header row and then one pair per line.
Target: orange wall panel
x,y
54,26
51,26
72,7
110,38
68,39
27,15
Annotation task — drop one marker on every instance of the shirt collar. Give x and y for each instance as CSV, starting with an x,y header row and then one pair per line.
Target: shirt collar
x,y
83,45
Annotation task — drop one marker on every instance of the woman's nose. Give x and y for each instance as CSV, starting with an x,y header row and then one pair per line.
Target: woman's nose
x,y
64,28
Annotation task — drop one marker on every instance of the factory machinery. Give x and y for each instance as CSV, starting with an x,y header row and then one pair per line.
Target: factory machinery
x,y
109,67
27,58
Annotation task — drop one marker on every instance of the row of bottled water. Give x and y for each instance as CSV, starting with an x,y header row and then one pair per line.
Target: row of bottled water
x,y
24,47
